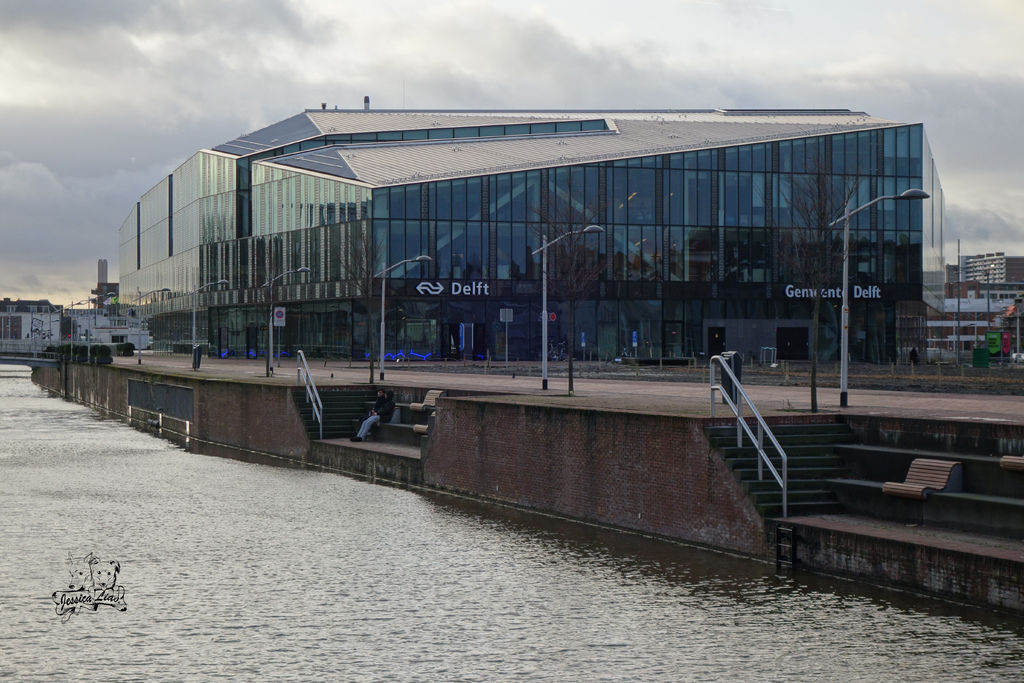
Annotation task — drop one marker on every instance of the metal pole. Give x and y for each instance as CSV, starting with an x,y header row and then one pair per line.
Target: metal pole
x,y
844,360
380,357
959,288
544,315
270,327
195,301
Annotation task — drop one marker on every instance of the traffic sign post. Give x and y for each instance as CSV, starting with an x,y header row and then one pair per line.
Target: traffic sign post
x,y
505,316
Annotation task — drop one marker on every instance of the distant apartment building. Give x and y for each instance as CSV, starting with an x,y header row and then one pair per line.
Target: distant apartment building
x,y
994,267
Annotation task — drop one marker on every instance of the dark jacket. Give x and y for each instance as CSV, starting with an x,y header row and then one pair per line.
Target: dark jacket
x,y
385,406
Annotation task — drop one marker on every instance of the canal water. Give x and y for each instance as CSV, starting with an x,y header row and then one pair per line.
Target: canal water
x,y
231,569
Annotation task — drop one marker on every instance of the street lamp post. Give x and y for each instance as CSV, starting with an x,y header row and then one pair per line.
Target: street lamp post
x,y
138,302
910,194
383,275
269,284
543,249
195,302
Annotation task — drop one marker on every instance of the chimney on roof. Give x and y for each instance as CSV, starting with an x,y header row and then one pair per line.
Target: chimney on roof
x,y
366,103
323,105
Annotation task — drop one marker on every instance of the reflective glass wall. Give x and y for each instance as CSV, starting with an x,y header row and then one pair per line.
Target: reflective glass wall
x,y
691,256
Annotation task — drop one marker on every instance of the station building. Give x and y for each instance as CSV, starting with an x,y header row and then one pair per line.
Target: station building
x,y
694,205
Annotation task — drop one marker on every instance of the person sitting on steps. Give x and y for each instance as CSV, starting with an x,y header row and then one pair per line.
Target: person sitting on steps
x,y
383,408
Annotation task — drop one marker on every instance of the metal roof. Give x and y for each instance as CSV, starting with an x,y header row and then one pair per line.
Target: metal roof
x,y
631,134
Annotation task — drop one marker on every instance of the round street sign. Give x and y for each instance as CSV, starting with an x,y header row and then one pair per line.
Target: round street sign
x,y
552,317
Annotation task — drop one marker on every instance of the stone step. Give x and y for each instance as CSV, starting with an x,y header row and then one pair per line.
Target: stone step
x,y
750,462
795,473
801,508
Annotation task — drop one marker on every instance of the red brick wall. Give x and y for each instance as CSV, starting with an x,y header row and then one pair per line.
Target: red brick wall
x,y
244,415
649,473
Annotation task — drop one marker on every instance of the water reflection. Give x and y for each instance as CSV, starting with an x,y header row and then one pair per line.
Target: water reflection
x,y
250,571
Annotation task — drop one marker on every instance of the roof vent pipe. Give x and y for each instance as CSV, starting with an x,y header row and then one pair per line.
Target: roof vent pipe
x,y
323,105
366,102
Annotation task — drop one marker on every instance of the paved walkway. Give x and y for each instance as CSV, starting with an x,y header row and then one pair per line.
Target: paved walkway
x,y
687,396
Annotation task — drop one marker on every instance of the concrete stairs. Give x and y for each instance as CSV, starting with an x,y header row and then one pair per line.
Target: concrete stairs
x,y
344,410
991,501
813,461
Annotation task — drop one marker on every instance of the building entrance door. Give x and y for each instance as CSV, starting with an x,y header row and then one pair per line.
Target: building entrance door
x,y
716,340
792,343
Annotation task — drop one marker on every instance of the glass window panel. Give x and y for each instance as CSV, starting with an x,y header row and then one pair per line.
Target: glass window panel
x,y
757,158
915,153
519,197
474,207
699,254
850,154
889,151
459,199
397,202
619,252
414,135
519,268
634,257
902,151
786,156
467,132
503,198
799,156
837,154
704,197
474,251
640,199
757,216
444,249
745,162
674,192
674,249
731,159
503,250
444,200
458,249
745,199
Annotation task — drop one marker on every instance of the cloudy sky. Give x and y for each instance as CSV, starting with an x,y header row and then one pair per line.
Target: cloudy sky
x,y
99,99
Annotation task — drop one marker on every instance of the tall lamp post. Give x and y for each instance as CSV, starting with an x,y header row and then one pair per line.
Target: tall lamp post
x,y
383,275
138,302
195,305
910,194
269,284
543,249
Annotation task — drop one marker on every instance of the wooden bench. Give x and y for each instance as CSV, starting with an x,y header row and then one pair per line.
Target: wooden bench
x,y
926,475
429,402
1012,462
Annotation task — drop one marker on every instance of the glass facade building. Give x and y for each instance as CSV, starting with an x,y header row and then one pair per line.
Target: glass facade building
x,y
695,207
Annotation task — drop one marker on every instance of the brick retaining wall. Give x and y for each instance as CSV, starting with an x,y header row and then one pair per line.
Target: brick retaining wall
x,y
649,473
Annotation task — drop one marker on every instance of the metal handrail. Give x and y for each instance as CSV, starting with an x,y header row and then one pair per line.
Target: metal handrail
x,y
741,425
312,395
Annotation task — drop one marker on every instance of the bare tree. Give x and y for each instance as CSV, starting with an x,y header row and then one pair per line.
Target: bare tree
x,y
574,263
813,250
361,267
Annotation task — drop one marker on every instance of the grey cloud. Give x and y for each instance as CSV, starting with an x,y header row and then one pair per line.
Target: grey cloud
x,y
82,17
